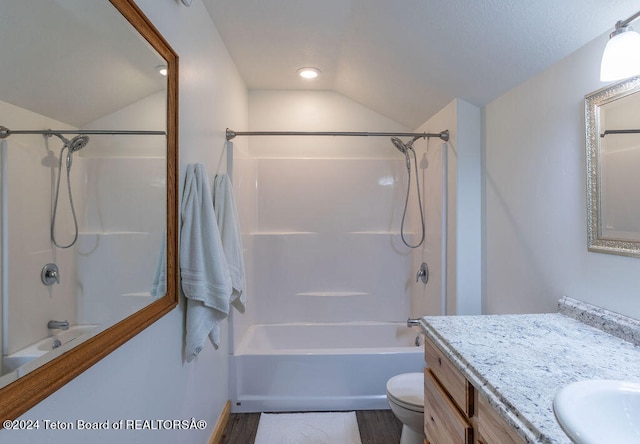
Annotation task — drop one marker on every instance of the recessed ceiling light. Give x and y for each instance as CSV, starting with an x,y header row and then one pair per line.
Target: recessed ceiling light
x,y
308,73
162,70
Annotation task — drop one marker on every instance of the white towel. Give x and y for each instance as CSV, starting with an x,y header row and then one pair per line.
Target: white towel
x,y
203,268
231,235
159,282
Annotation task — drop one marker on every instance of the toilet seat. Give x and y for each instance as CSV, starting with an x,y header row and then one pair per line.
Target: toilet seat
x,y
407,391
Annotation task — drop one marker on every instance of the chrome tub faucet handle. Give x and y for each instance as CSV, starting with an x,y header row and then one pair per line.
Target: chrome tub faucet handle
x,y
413,322
58,325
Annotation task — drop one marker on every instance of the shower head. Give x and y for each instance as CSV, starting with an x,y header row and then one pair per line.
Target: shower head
x,y
399,145
77,143
404,147
73,145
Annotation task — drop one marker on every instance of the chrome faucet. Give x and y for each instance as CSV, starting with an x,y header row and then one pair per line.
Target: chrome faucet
x,y
61,325
413,322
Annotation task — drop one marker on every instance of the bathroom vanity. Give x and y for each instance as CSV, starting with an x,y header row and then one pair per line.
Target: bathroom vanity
x,y
492,379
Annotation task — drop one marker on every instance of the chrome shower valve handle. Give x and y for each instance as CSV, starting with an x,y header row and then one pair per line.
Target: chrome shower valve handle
x,y
50,274
423,273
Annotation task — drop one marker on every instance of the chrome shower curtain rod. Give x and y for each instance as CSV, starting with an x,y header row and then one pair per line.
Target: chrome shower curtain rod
x,y
6,132
622,131
444,135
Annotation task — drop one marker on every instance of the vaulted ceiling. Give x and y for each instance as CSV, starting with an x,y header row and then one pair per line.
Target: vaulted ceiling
x,y
406,59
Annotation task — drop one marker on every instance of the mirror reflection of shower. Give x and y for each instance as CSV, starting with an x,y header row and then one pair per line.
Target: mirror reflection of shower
x,y
71,146
405,148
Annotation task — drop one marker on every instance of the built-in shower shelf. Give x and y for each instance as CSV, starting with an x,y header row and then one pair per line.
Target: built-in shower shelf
x,y
296,233
142,294
381,233
332,293
281,233
110,233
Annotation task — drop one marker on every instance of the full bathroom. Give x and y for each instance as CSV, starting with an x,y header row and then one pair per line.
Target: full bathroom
x,y
431,197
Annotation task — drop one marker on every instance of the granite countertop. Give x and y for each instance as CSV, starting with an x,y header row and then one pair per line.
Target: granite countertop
x,y
519,362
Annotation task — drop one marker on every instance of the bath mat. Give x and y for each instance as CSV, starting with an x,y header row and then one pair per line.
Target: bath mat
x,y
308,428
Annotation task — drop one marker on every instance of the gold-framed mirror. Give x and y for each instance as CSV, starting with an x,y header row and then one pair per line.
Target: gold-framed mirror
x,y
612,119
31,386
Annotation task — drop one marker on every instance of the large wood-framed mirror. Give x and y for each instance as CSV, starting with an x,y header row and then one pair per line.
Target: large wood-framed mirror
x,y
613,155
101,83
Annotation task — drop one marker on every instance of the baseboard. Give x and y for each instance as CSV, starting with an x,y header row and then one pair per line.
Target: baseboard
x,y
216,436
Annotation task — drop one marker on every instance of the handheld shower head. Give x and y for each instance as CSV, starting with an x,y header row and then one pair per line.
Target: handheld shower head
x,y
73,145
404,148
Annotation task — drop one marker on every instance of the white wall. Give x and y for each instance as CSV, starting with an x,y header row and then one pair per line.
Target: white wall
x,y
146,377
535,181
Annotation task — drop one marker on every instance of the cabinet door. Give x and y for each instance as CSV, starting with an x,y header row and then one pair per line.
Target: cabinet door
x,y
492,428
450,377
443,422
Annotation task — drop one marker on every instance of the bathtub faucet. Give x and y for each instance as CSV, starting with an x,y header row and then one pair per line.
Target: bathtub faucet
x,y
413,322
61,325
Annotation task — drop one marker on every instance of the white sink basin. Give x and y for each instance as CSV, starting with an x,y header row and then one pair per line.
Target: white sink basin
x,y
599,411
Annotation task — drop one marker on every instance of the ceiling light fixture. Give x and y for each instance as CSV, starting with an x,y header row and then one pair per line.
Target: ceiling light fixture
x,y
621,57
162,70
308,73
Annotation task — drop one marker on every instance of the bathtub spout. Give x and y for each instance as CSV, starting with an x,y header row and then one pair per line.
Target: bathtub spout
x,y
61,325
413,322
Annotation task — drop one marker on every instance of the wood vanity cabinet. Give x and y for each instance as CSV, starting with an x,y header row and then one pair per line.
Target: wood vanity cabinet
x,y
443,420
448,400
492,428
454,413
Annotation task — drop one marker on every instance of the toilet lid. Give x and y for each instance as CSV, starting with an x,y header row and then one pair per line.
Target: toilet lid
x,y
407,389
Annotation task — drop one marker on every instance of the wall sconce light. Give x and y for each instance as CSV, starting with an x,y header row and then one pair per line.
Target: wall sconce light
x,y
621,57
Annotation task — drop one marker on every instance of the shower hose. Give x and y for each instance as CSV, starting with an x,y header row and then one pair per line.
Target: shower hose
x,y
55,203
406,203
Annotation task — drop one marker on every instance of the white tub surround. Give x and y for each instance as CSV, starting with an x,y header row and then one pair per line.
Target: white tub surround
x,y
43,351
519,362
321,366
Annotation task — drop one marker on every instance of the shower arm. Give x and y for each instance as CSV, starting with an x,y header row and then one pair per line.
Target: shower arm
x,y
444,135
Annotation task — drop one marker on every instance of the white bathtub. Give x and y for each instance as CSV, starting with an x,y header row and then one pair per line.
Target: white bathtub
x,y
312,367
44,350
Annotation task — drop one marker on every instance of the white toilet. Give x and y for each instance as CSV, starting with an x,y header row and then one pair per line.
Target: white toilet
x,y
405,394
